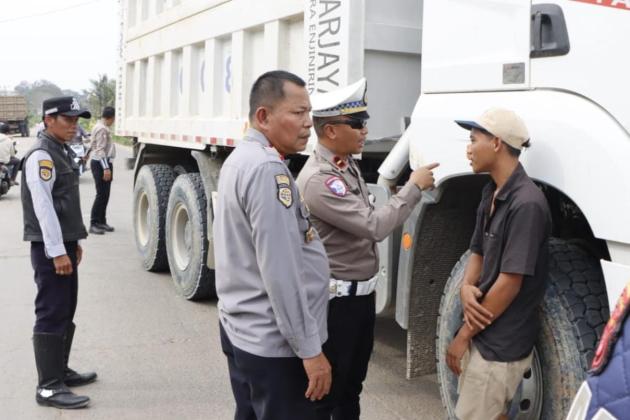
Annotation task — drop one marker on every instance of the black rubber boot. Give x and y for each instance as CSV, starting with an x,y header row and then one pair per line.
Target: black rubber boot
x,y
71,377
51,390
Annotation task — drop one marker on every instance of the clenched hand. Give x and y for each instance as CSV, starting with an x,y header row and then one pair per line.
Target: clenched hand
x,y
63,265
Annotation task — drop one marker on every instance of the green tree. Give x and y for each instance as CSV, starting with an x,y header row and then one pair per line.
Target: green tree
x,y
101,93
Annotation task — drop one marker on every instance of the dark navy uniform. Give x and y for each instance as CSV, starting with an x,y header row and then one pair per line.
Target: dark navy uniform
x,y
53,224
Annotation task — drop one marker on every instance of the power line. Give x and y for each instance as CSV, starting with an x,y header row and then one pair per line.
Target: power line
x,y
50,12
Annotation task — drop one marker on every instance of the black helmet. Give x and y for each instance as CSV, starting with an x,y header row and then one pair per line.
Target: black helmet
x,y
4,128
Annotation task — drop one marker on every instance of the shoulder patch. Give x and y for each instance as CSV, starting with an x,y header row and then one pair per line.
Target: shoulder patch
x,y
337,186
45,169
282,179
285,195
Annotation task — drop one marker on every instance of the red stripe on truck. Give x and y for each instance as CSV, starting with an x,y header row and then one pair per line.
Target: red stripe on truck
x,y
213,140
230,142
617,4
198,139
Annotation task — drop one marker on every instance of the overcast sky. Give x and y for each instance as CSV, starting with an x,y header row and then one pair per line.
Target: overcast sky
x,y
69,43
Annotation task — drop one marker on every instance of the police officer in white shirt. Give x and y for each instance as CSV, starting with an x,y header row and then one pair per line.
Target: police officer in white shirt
x,y
53,224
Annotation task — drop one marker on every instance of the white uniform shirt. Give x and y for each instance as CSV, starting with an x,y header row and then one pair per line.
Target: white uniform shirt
x,y
6,148
41,193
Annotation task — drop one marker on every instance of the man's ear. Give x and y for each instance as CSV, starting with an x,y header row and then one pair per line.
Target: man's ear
x,y
498,144
261,117
330,132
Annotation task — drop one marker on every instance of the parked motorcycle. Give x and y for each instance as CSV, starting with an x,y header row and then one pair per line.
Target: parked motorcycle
x,y
79,151
5,179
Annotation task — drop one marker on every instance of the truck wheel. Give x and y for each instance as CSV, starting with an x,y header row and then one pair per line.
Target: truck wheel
x,y
573,314
186,238
150,198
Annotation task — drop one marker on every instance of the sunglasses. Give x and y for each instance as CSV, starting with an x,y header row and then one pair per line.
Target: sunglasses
x,y
354,123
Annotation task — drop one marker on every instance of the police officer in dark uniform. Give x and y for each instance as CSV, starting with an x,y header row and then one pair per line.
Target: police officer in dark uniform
x,y
53,223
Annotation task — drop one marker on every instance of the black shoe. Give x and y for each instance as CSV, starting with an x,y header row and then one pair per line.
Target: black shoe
x,y
73,378
60,397
96,230
105,227
49,358
70,376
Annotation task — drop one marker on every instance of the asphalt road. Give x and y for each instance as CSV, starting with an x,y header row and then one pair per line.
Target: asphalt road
x,y
157,355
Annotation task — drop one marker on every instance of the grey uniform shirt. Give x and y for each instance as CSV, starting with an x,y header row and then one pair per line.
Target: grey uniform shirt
x,y
102,149
348,224
41,193
271,277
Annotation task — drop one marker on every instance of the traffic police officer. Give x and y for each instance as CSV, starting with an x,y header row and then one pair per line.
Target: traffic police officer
x,y
272,273
53,223
343,214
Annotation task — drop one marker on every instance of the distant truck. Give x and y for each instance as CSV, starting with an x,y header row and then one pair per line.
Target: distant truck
x,y
14,112
186,70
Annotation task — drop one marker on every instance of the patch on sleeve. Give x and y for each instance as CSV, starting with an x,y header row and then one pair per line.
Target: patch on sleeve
x,y
337,186
285,195
45,169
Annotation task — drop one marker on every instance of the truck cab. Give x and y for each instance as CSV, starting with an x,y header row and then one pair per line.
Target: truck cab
x,y
187,67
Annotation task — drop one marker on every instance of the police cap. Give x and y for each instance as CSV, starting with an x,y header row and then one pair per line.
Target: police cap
x,y
64,105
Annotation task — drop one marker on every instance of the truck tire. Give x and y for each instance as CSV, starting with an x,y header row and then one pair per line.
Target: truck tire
x,y
150,199
573,314
186,238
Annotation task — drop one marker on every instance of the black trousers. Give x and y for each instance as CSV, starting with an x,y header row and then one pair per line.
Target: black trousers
x,y
99,208
56,300
14,167
267,388
348,349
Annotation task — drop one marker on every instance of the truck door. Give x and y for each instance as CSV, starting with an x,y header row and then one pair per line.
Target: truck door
x,y
594,61
480,45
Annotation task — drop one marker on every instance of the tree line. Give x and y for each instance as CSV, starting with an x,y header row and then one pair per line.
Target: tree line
x,y
101,93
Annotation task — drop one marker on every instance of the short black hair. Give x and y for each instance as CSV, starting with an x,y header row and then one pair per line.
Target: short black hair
x,y
108,112
513,151
318,125
268,89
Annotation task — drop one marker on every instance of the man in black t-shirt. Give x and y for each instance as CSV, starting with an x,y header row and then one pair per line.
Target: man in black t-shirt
x,y
505,277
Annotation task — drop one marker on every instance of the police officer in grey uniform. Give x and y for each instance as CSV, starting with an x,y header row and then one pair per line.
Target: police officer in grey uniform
x,y
350,227
272,272
53,223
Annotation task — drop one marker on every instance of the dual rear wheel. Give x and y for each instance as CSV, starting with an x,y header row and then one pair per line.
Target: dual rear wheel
x,y
170,228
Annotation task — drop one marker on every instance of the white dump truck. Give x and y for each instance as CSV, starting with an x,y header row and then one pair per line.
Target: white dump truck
x,y
185,74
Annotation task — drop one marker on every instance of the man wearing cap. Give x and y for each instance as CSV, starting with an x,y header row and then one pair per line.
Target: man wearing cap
x,y
343,214
53,223
504,280
272,272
